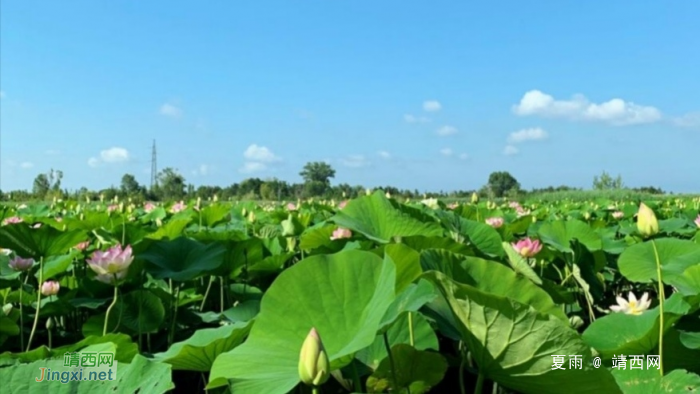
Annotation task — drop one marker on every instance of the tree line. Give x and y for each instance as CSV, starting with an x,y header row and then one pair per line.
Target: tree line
x,y
171,185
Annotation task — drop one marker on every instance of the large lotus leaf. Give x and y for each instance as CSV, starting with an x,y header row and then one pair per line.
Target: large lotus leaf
x,y
125,349
513,344
649,381
620,333
198,352
411,299
689,282
560,234
317,236
420,243
407,262
171,230
139,310
56,265
213,214
638,262
376,217
681,350
484,237
344,296
416,371
44,241
400,332
491,277
141,375
182,259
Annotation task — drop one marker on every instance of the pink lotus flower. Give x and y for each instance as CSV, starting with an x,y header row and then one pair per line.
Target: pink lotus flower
x,y
291,207
112,207
527,247
342,204
178,207
12,220
110,278
454,205
149,206
83,245
618,215
697,221
37,225
341,233
514,204
20,264
50,288
111,262
495,222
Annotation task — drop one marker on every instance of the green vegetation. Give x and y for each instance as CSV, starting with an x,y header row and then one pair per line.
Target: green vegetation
x,y
366,295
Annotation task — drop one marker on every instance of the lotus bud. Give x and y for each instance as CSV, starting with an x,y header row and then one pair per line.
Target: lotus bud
x,y
314,366
647,224
49,323
475,198
7,309
575,322
251,217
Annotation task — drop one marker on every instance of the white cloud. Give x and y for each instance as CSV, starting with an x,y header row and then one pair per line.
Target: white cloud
x,y
258,158
252,166
355,161
463,156
260,153
27,164
170,110
688,120
431,105
415,119
532,134
2,94
112,155
446,152
510,150
202,170
615,111
384,154
446,130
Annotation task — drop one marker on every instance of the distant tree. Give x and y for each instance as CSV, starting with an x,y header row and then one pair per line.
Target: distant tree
x,y
317,172
501,182
129,186
41,186
606,182
317,178
171,185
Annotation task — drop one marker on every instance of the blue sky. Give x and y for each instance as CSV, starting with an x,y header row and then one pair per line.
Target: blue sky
x,y
420,95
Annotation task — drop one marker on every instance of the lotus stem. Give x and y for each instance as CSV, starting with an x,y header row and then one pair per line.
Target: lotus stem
x,y
206,293
21,315
38,303
662,298
410,329
173,324
109,309
463,360
391,361
479,384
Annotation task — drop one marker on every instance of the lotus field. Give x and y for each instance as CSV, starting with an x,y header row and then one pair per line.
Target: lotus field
x,y
370,295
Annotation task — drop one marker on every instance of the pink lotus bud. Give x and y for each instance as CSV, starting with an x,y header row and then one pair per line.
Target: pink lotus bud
x,y
291,207
618,215
454,205
12,220
342,204
314,366
697,221
83,245
20,264
148,207
180,206
527,247
495,222
112,207
50,288
111,262
341,233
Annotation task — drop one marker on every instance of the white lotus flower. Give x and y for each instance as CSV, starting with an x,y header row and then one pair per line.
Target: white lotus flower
x,y
632,306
